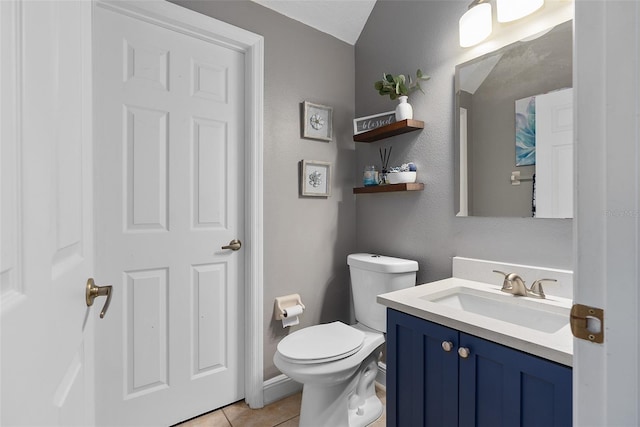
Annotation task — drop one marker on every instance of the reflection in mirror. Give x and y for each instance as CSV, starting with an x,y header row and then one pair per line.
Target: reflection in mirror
x,y
515,129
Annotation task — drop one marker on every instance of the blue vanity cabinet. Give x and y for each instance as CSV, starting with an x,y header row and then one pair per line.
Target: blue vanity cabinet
x,y
493,386
422,378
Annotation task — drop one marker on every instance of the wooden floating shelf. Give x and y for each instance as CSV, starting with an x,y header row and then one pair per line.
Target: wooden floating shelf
x,y
393,129
387,188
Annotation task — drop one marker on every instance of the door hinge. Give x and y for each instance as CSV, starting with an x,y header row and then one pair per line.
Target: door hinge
x,y
587,323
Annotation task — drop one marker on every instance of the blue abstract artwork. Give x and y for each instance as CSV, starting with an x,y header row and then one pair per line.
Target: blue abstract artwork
x,y
526,131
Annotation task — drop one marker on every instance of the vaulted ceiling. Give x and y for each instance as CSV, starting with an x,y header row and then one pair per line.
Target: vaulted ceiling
x,y
343,19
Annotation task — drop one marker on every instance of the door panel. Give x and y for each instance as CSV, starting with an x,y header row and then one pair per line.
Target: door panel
x,y
210,173
503,386
146,173
422,378
209,317
46,213
169,193
146,319
554,154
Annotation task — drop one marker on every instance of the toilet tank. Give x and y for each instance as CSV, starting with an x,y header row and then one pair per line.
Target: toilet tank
x,y
372,275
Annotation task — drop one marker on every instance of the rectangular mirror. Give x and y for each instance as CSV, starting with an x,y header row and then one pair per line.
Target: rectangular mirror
x,y
514,129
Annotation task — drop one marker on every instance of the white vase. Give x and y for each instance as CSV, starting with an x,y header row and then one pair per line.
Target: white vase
x,y
403,110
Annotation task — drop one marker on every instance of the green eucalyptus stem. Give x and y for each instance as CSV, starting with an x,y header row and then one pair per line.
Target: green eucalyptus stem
x,y
396,86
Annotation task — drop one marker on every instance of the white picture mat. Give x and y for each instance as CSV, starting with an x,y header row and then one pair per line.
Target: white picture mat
x,y
316,178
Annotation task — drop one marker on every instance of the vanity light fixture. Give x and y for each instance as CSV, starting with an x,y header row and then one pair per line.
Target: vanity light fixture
x,y
510,10
476,24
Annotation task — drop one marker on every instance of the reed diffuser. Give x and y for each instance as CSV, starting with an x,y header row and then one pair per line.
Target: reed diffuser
x,y
384,158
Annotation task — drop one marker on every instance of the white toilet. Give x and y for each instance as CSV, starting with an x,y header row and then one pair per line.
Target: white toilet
x,y
337,363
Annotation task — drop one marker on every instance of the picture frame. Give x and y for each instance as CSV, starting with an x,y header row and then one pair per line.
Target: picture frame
x,y
317,121
365,124
315,178
525,123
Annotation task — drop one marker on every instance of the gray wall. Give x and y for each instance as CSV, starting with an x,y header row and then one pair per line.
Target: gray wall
x,y
306,240
422,225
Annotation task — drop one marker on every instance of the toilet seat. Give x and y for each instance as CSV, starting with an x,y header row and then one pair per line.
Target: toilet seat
x,y
321,343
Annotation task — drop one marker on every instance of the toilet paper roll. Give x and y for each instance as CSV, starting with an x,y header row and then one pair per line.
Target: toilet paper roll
x,y
290,315
295,310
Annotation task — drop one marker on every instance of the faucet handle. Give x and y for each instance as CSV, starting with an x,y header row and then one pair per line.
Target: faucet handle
x,y
506,284
536,290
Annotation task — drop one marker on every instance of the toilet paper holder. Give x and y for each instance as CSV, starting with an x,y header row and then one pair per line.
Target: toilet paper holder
x,y
284,302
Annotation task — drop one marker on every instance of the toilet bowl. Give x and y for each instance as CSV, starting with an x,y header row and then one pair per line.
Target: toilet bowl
x,y
338,363
332,395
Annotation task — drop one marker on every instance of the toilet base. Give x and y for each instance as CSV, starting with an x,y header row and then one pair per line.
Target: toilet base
x,y
373,409
350,403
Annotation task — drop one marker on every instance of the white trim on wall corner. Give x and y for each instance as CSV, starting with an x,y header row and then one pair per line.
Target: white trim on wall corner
x,y
254,231
279,387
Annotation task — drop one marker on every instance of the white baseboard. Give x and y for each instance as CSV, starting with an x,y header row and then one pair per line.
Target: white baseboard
x,y
282,386
279,387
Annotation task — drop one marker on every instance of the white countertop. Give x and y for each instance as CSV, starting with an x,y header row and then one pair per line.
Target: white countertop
x,y
556,346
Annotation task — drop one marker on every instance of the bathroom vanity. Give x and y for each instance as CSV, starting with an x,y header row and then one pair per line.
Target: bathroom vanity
x,y
461,352
439,376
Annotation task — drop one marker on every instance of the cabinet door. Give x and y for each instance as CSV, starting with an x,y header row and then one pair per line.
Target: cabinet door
x,y
415,353
500,386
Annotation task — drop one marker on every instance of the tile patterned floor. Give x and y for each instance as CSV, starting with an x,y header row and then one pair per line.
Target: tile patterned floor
x,y
284,413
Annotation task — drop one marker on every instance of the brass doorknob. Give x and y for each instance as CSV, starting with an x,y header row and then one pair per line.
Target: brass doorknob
x,y
93,291
234,245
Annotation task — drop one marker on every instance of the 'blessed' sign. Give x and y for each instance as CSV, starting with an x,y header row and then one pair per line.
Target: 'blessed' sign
x,y
364,124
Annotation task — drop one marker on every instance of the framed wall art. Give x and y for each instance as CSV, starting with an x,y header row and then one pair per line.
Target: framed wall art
x,y
315,178
317,121
526,131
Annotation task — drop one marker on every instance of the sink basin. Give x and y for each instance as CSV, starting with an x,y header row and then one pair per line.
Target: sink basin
x,y
526,312
535,326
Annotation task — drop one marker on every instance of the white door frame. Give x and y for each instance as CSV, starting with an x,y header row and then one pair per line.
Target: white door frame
x,y
182,20
606,384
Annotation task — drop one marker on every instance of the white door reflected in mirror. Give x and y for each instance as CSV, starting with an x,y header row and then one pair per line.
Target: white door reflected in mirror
x,y
554,155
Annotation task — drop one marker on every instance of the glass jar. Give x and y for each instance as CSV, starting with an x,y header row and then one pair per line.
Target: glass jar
x,y
370,176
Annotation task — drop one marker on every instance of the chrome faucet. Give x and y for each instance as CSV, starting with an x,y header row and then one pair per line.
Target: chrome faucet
x,y
536,290
513,284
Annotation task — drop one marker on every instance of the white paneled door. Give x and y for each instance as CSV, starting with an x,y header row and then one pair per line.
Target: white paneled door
x,y
169,156
45,212
554,154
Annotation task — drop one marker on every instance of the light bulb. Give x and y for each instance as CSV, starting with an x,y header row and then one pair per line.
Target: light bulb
x,y
510,10
475,25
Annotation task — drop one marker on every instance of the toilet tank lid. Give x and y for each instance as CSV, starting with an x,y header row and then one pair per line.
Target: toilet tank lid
x,y
381,263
